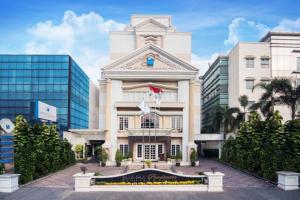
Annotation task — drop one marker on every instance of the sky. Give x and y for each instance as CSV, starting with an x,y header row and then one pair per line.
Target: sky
x,y
81,27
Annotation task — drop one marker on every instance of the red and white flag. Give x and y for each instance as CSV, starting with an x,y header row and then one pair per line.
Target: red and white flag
x,y
156,92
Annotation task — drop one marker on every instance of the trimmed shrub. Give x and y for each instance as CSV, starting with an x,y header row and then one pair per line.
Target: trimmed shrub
x,y
39,150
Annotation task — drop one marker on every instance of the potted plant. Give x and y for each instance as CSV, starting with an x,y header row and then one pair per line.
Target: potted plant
x,y
178,158
130,156
118,157
148,163
79,151
193,157
104,157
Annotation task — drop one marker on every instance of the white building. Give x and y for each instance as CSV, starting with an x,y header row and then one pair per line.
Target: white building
x,y
167,129
276,55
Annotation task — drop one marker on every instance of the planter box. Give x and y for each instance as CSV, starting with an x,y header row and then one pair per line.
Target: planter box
x,y
288,180
9,182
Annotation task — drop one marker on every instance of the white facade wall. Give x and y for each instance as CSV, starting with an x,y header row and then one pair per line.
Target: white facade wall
x,y
93,106
124,42
238,73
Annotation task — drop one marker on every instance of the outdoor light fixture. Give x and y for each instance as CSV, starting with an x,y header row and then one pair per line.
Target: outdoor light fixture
x,y
83,169
213,169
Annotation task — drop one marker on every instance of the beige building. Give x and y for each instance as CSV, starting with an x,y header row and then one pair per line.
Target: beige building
x,y
169,128
276,55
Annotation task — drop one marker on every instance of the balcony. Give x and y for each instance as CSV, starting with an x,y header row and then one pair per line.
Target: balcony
x,y
147,131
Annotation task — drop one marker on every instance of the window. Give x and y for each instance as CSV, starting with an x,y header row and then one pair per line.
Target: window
x,y
160,149
139,150
175,148
124,149
123,123
176,123
250,62
298,63
264,62
265,81
150,120
249,84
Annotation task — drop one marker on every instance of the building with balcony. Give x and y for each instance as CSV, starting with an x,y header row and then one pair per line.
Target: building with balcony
x,y
168,128
54,79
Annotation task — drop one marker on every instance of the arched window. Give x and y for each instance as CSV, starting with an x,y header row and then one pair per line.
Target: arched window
x,y
150,120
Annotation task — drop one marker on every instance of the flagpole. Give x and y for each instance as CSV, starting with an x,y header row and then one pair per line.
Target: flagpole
x,y
143,151
155,135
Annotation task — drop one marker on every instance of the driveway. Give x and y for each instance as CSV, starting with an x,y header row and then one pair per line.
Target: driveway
x,y
237,185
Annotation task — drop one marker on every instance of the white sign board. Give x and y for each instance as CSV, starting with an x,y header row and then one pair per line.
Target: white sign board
x,y
45,111
7,125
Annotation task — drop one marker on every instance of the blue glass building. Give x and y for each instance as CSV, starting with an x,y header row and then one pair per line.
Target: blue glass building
x,y
54,79
214,92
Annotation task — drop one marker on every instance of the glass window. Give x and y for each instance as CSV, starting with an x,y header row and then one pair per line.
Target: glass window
x,y
150,120
123,123
249,84
176,123
175,148
264,62
124,149
139,150
250,62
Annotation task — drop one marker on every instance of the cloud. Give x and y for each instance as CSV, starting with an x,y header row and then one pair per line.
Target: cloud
x,y
203,62
241,29
84,37
288,25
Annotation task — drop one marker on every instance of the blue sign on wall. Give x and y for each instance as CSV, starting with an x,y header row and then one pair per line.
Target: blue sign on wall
x,y
150,61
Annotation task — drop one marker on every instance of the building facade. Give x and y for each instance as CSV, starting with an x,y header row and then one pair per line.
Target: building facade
x,y
276,55
214,92
149,51
54,79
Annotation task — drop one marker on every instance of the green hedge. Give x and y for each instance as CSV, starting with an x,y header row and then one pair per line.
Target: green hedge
x,y
264,147
211,153
39,150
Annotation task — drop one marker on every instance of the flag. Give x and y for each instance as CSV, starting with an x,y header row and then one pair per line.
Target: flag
x,y
156,92
145,109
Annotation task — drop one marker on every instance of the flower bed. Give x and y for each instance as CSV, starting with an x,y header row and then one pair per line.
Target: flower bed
x,y
193,182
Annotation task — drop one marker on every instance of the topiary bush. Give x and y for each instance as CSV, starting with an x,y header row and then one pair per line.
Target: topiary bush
x,y
39,150
264,147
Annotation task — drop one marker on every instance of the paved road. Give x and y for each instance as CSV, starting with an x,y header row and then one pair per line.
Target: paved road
x,y
237,186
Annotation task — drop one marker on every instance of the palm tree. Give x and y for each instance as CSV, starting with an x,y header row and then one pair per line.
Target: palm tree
x,y
244,103
268,98
289,94
224,115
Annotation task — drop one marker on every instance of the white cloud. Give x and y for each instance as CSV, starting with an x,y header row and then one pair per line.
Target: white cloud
x,y
203,62
84,37
241,28
288,25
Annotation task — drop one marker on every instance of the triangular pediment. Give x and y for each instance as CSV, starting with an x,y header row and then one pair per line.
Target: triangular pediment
x,y
150,25
137,62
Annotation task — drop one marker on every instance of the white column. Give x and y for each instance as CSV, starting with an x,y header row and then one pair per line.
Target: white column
x,y
183,96
116,95
215,181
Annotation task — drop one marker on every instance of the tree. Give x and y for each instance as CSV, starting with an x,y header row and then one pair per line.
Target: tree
x,y
289,93
225,116
244,103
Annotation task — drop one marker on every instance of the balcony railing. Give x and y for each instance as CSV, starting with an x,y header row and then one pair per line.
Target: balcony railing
x,y
147,131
